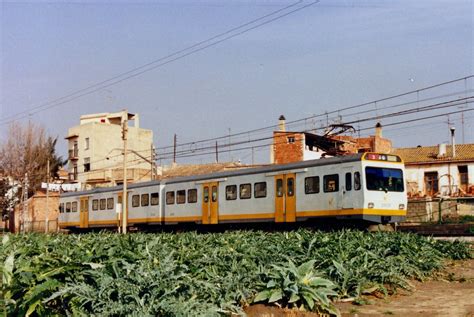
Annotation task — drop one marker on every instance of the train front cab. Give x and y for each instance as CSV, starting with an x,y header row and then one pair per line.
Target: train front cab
x,y
385,199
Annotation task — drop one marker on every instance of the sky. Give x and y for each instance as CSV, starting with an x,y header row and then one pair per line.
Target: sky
x,y
330,55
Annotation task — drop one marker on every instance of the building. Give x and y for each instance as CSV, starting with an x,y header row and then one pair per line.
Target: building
x,y
290,146
96,150
435,171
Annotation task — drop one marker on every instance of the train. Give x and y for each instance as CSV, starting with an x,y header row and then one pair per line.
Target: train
x,y
367,187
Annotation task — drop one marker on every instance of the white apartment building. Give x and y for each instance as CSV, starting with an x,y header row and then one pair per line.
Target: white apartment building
x,y
96,150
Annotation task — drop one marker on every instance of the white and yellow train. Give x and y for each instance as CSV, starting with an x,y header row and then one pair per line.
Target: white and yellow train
x,y
366,186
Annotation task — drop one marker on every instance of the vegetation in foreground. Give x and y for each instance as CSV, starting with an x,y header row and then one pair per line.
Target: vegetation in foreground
x,y
211,274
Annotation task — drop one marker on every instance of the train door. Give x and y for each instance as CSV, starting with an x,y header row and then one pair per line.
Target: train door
x,y
347,189
285,198
84,212
210,203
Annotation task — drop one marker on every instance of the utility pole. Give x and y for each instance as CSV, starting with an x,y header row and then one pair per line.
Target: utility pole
x,y
46,221
152,162
217,154
174,148
124,193
25,203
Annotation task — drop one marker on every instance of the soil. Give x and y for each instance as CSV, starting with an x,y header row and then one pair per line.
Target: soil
x,y
450,293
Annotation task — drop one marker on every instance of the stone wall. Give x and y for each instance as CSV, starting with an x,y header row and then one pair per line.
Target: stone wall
x,y
428,210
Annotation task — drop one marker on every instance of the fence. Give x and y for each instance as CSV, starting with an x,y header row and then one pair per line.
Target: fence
x,y
40,226
439,210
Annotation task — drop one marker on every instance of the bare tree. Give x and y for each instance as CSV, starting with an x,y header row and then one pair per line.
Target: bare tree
x,y
27,149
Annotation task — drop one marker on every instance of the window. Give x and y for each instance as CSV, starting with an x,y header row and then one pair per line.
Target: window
x,y
169,198
348,181
192,195
290,186
279,187
145,200
431,183
291,139
331,183
245,191
205,194
231,192
74,206
110,203
357,182
181,196
214,193
68,207
86,147
87,164
95,204
155,199
260,190
103,204
136,201
386,179
311,185
61,208
463,178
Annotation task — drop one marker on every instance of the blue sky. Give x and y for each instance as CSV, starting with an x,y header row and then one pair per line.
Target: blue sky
x,y
330,55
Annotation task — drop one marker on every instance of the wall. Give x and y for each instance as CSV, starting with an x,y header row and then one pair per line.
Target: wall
x,y
427,210
285,152
415,176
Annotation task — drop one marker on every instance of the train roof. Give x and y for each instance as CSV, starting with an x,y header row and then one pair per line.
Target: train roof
x,y
245,171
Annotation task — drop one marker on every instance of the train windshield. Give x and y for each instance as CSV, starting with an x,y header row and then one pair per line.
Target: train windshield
x,y
384,179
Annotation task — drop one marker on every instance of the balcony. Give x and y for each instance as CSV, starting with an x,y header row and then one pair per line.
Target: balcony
x,y
74,154
72,177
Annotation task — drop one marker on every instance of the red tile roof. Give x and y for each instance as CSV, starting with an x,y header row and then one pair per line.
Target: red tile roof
x,y
199,169
429,154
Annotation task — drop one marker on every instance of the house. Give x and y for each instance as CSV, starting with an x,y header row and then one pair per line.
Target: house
x,y
441,170
96,150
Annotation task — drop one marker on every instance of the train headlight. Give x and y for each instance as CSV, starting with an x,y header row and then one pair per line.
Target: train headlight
x,y
370,205
401,206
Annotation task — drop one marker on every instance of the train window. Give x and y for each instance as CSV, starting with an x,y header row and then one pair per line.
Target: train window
x,y
181,196
102,204
331,183
74,206
68,207
214,193
245,191
95,204
260,190
61,208
357,183
231,192
279,187
110,203
290,186
145,200
170,198
155,199
311,185
348,181
192,195
205,194
384,179
136,201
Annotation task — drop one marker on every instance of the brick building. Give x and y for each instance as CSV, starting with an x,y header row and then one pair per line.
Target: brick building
x,y
291,146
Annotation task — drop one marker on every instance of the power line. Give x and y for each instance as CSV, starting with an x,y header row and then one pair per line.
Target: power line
x,y
143,69
273,126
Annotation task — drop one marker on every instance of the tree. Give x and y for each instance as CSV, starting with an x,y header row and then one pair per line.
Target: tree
x,y
26,150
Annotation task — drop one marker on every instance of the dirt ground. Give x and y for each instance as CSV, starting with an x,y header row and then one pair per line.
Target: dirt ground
x,y
450,293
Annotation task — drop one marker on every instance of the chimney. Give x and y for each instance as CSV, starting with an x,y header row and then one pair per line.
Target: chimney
x,y
281,123
378,130
441,150
453,143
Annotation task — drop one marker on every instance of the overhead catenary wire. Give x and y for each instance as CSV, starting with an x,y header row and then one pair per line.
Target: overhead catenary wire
x,y
273,126
162,62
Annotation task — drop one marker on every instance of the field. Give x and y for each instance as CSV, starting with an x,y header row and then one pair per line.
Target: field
x,y
193,274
